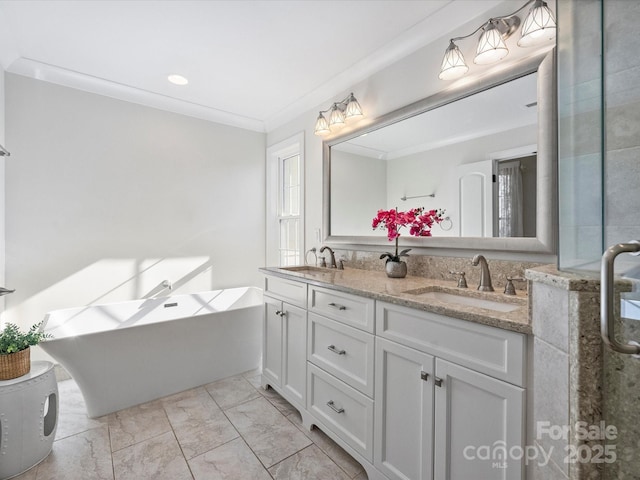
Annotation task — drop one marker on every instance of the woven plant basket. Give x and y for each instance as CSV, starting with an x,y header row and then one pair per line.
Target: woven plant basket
x,y
15,365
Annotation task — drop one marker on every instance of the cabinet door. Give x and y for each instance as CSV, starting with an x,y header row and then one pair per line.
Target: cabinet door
x,y
478,419
403,412
272,341
294,374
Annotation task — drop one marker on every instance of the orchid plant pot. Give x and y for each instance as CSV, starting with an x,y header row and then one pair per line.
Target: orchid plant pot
x,y
396,269
419,223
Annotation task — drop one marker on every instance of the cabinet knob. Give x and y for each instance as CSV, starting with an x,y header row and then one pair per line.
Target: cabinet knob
x,y
424,376
437,381
280,313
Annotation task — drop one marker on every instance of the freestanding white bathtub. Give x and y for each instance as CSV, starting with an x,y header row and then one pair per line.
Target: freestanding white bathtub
x,y
124,354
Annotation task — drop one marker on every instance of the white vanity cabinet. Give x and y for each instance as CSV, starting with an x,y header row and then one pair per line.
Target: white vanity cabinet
x,y
411,394
285,338
424,394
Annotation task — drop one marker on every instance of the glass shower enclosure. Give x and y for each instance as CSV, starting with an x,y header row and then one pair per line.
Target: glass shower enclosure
x,y
599,199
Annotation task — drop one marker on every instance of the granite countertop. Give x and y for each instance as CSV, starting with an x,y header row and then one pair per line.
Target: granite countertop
x,y
377,285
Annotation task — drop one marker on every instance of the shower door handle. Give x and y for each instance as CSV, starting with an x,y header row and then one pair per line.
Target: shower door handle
x,y
607,318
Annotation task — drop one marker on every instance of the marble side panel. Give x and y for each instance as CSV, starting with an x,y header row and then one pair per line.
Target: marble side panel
x,y
547,470
586,373
159,458
622,405
551,398
308,463
231,461
551,309
85,456
269,434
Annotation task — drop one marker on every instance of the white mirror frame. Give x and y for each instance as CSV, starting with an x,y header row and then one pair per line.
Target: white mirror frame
x,y
545,241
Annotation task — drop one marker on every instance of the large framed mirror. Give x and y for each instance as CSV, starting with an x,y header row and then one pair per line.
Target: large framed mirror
x,y
485,153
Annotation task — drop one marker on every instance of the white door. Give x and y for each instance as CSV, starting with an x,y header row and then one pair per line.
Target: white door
x,y
272,341
475,199
403,425
477,420
294,375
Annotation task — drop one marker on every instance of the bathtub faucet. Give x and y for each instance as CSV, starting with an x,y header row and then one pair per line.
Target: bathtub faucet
x,y
167,284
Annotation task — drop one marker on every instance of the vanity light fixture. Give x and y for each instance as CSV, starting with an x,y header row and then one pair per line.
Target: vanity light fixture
x,y
340,113
539,26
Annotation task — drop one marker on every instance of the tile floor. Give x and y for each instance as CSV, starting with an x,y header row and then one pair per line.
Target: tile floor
x,y
231,429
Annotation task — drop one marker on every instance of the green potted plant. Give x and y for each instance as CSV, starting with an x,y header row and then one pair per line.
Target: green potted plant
x,y
15,356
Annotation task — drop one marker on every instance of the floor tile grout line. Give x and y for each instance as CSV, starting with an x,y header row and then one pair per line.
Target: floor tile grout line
x,y
178,442
244,440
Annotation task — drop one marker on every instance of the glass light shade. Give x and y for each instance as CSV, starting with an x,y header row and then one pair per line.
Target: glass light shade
x,y
353,110
336,119
453,64
491,47
322,127
539,26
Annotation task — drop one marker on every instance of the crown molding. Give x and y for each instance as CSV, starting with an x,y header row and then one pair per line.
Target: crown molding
x,y
80,81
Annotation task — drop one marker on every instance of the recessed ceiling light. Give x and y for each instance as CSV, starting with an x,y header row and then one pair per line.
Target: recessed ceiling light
x,y
177,79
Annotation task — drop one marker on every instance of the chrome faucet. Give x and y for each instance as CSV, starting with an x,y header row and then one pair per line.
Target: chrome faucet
x,y
333,256
485,276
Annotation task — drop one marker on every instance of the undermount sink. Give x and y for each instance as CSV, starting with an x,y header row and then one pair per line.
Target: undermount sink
x,y
309,270
467,299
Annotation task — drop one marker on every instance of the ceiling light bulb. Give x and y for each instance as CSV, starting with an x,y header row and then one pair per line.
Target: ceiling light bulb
x,y
353,110
336,120
322,127
491,47
177,79
539,26
453,64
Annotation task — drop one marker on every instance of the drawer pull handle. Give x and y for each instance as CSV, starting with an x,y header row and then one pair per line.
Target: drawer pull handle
x,y
335,350
333,407
338,306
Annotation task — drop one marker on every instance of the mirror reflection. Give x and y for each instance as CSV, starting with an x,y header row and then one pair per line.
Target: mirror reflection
x,y
475,157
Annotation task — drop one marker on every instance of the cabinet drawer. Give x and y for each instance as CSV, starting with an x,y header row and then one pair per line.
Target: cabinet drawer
x,y
343,351
494,351
350,309
343,410
287,290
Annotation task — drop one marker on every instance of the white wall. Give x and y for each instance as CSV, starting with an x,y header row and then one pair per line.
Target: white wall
x,y
359,190
106,199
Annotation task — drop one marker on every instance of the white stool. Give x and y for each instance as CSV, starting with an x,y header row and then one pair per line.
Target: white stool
x,y
28,419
